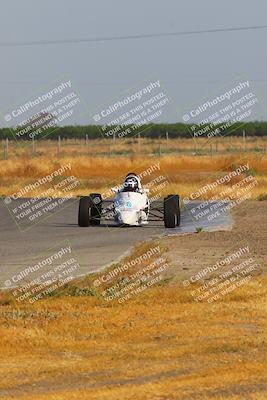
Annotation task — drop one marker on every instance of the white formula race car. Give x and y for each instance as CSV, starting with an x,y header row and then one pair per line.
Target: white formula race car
x,y
131,207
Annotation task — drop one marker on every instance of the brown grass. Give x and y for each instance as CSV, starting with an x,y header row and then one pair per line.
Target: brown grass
x,y
133,147
161,345
185,172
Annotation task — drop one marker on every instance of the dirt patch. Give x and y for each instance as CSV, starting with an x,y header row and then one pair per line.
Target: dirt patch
x,y
193,252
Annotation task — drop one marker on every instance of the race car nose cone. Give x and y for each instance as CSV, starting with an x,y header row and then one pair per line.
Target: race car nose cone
x,y
127,217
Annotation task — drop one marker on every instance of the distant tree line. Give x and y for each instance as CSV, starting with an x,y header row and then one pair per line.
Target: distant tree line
x,y
176,130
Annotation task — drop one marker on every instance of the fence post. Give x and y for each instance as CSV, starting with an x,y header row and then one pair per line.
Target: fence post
x,y
58,145
167,139
244,140
195,146
33,145
6,149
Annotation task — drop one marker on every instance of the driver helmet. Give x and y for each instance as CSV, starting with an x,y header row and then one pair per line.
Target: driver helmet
x,y
132,183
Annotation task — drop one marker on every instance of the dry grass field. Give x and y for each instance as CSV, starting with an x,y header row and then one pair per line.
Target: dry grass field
x,y
159,345
134,146
98,170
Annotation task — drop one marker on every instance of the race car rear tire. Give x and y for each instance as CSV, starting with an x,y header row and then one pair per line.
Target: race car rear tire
x,y
84,211
95,208
178,219
171,211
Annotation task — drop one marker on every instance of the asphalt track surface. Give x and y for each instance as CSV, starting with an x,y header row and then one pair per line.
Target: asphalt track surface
x,y
94,247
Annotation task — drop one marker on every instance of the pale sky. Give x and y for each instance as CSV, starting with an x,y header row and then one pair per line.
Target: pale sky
x,y
190,67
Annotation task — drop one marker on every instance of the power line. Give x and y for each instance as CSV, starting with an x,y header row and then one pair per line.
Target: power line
x,y
114,83
128,37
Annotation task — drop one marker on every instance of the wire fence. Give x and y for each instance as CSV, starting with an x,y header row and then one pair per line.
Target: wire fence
x,y
132,147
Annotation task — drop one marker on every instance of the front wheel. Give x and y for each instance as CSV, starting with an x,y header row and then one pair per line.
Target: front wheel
x,y
84,211
171,211
90,210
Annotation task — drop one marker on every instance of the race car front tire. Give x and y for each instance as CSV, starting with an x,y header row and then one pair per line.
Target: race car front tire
x,y
90,210
171,211
84,211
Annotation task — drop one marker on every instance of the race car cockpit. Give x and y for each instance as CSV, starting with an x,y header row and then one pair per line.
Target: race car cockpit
x,y
132,183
